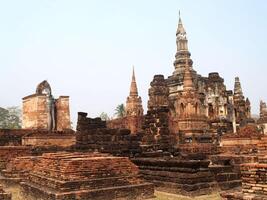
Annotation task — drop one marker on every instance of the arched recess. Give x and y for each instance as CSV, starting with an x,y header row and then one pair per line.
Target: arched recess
x,y
44,88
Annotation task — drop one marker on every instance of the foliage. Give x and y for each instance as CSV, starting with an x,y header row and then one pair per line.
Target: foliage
x,y
120,111
10,118
104,116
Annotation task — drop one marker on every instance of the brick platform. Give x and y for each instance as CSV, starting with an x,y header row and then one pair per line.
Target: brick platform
x,y
187,177
59,176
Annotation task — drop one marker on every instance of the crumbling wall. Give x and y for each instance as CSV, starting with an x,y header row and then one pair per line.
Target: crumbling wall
x,y
93,134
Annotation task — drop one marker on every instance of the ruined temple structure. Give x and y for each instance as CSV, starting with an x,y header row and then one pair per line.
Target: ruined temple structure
x,y
223,109
262,122
42,111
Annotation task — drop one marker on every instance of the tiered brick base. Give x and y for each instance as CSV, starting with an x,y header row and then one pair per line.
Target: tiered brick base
x,y
187,177
254,182
85,176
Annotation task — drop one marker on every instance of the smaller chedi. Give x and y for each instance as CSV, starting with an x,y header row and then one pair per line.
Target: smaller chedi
x,y
42,111
134,102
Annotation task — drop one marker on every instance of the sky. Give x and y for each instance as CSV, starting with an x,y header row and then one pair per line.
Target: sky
x,y
86,48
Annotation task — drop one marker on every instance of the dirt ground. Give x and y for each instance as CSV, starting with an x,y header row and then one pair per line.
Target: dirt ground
x,y
167,196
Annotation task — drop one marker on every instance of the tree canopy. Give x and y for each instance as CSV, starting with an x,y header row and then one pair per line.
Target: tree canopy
x,y
10,118
120,111
104,116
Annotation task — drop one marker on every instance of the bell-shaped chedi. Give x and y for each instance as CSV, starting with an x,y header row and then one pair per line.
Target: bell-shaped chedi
x,y
42,111
134,102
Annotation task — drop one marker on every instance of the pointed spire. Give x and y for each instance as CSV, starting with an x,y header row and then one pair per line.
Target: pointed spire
x,y
188,79
180,29
133,89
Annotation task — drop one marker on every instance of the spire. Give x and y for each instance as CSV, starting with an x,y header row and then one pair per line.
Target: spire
x,y
188,79
133,89
180,30
182,52
238,89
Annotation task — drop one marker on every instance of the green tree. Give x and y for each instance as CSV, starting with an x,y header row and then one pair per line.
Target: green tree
x,y
10,118
120,111
104,116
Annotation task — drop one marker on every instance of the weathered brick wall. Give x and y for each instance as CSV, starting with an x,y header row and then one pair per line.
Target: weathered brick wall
x,y
92,134
12,137
85,123
63,113
36,137
50,140
254,178
156,126
34,112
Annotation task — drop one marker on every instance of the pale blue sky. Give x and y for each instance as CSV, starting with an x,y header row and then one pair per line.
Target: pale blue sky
x,y
86,49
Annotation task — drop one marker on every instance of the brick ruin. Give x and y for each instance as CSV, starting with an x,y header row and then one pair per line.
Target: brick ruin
x,y
93,135
42,111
